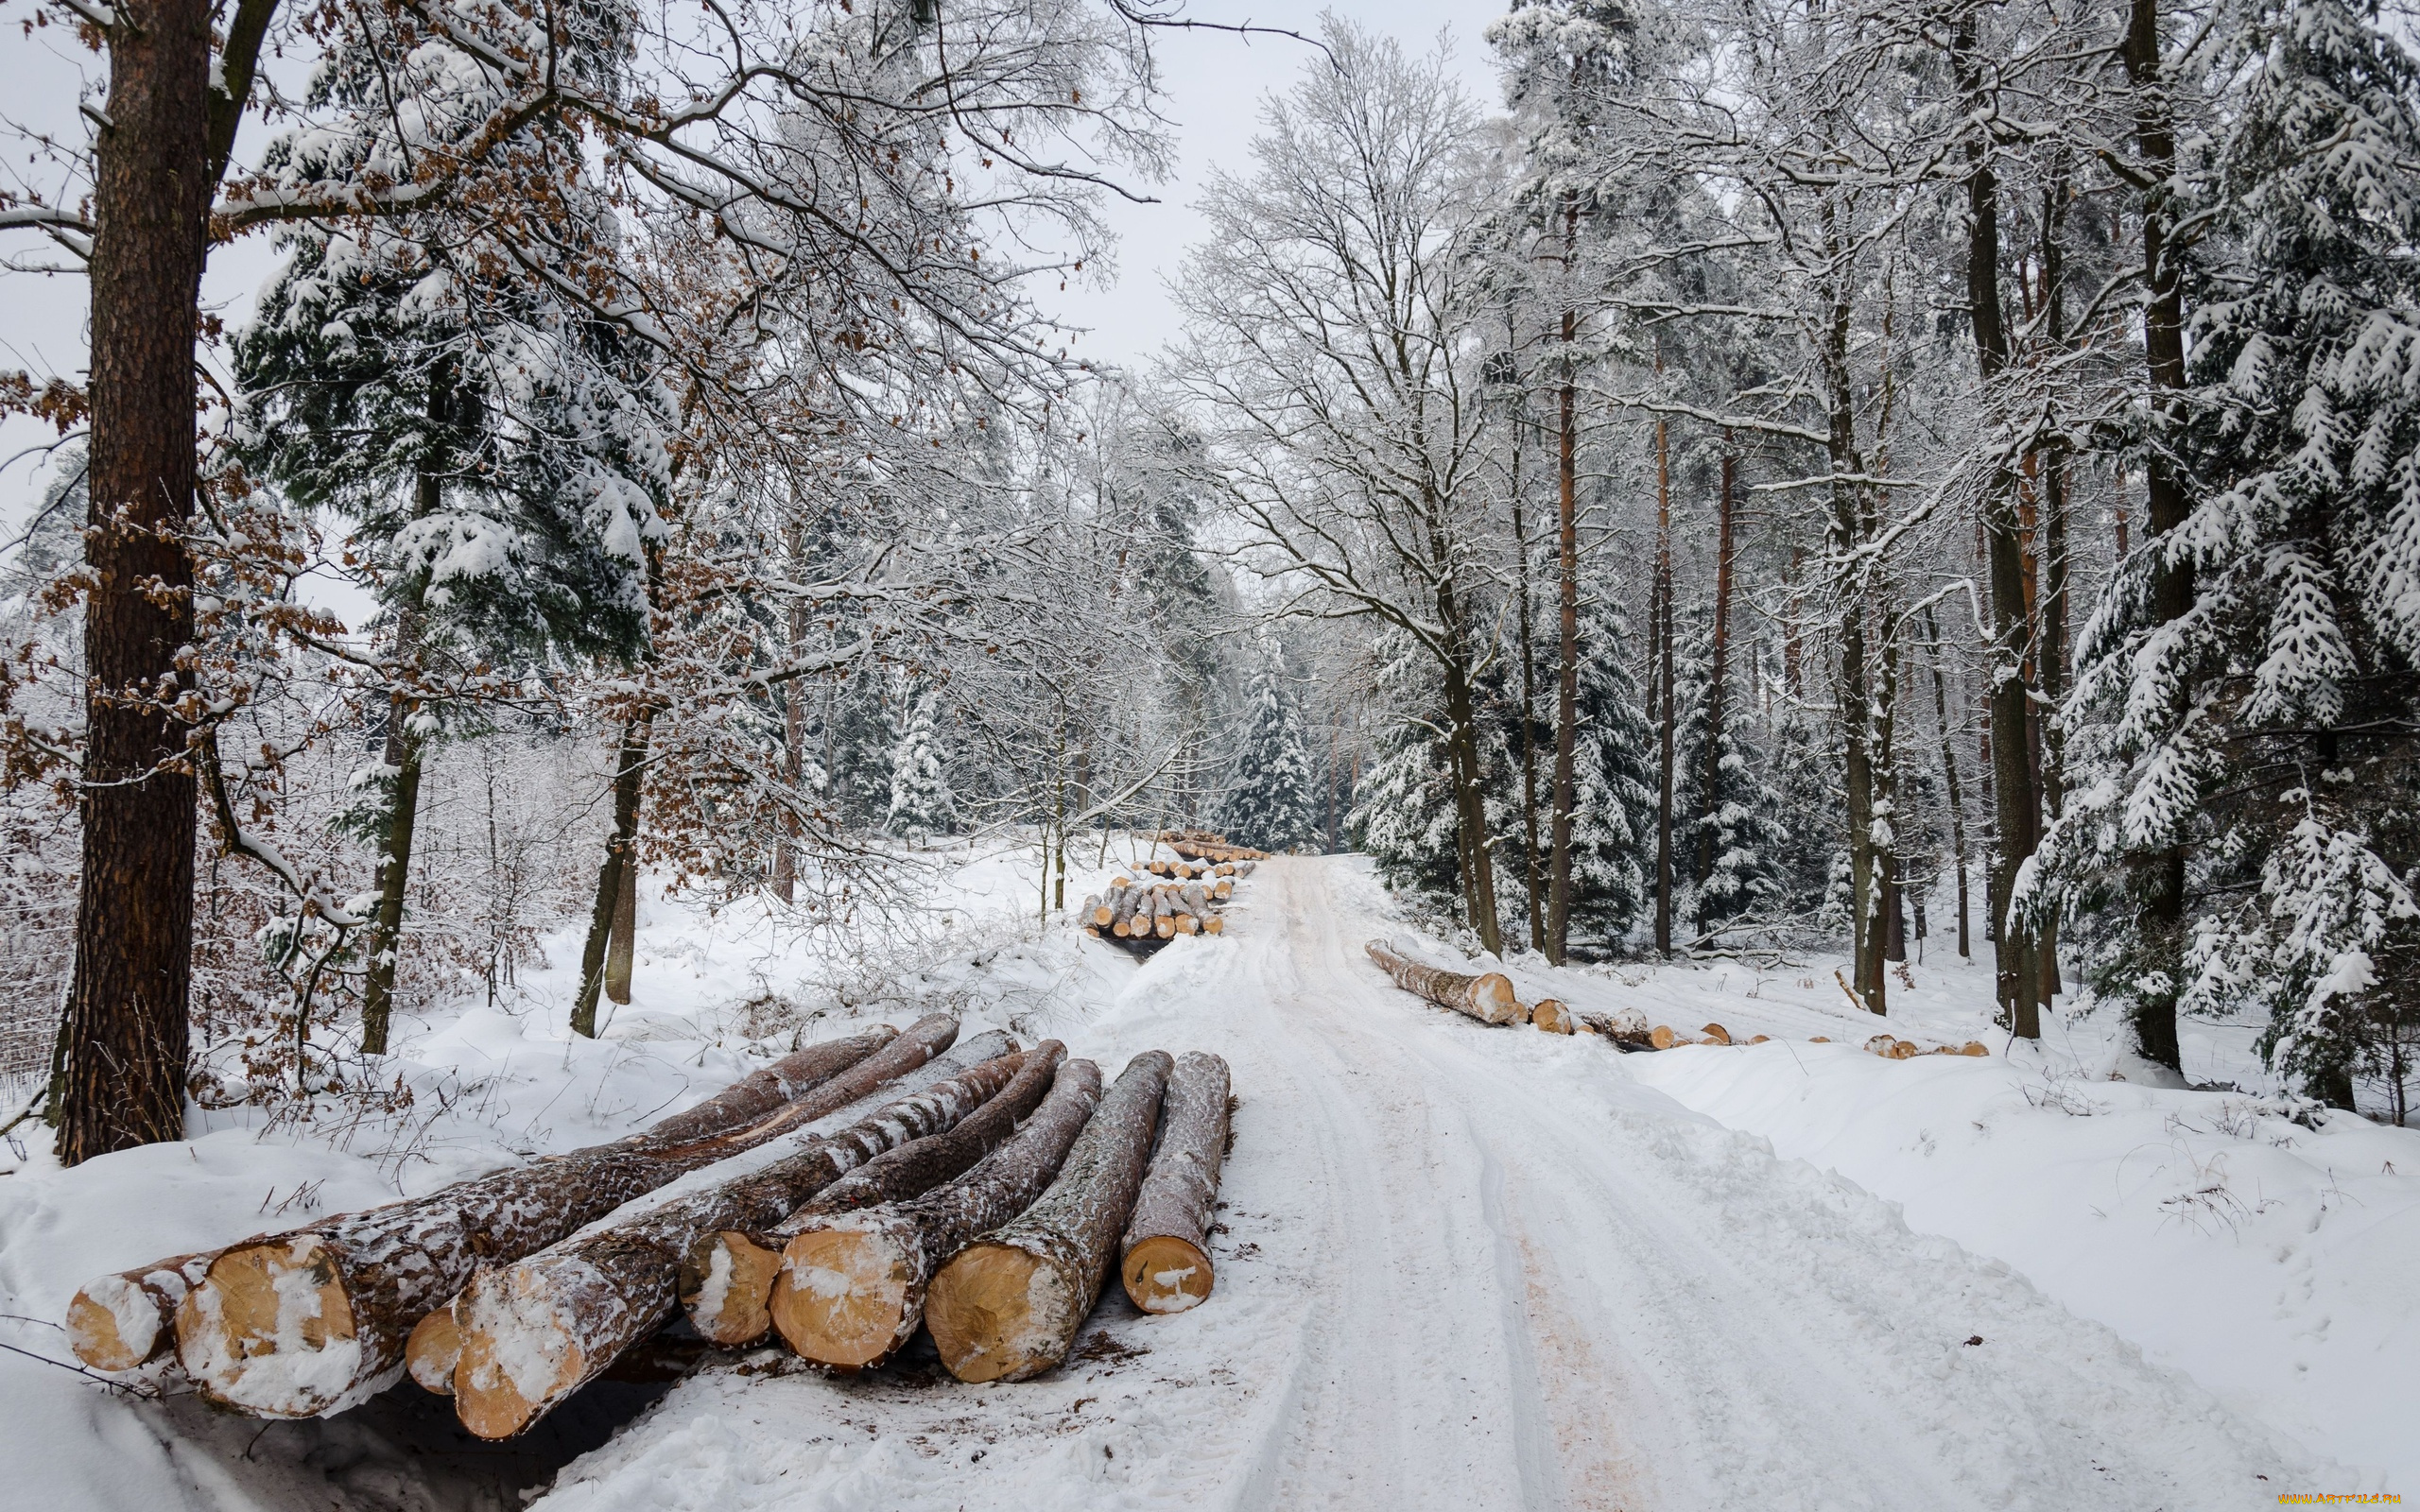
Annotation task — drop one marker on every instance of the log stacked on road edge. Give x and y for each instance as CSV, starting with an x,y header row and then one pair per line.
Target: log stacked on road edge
x,y
851,1287
727,1279
1164,1258
1487,996
1008,1306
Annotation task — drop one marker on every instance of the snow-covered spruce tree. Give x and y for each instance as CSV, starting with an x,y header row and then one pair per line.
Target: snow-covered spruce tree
x,y
859,736
498,462
1613,784
2267,727
921,805
1726,816
1403,812
1270,803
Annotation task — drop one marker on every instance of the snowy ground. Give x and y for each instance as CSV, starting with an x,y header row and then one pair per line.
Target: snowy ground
x,y
1461,1266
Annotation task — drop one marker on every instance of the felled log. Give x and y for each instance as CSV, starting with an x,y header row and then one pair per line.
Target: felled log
x,y
1553,1016
1225,889
1215,926
311,1321
1487,996
727,1278
1187,924
126,1320
536,1330
1164,1257
1889,1048
1091,906
852,1288
1626,1027
1717,1032
1243,869
1008,1306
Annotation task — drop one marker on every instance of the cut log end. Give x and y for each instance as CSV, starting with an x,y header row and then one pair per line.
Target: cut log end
x,y
1492,1000
1717,1032
433,1351
725,1284
268,1327
516,1363
1662,1037
843,1296
112,1325
997,1312
1165,1274
1553,1016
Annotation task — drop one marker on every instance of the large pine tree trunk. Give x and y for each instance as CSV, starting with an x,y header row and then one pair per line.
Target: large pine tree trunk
x,y
534,1332
124,1073
1164,1258
309,1322
1008,1306
727,1279
2159,876
851,1288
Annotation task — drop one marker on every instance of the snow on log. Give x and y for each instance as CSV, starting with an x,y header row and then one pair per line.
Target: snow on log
x,y
727,1278
1487,996
309,1322
1553,1016
534,1332
1008,1306
851,1289
1164,1258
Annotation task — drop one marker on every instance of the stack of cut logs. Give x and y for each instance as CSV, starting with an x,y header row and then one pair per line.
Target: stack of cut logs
x,y
985,1191
1489,998
1201,845
1180,898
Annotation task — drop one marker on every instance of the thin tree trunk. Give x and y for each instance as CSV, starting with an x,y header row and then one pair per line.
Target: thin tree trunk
x,y
1470,804
124,1080
2016,804
621,852
1534,870
1664,676
2052,611
1716,686
1950,777
2160,875
623,946
1567,597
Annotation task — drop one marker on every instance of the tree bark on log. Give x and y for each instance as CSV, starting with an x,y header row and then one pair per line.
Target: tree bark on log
x,y
852,1288
1007,1307
727,1278
122,1321
1488,998
536,1330
310,1322
1164,1258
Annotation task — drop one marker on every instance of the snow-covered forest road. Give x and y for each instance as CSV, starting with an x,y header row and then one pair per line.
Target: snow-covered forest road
x,y
1473,1267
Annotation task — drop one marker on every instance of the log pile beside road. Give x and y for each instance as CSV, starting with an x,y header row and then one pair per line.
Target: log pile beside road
x,y
991,1196
1169,900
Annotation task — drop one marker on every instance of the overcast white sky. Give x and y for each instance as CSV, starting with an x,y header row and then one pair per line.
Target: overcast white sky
x,y
1215,82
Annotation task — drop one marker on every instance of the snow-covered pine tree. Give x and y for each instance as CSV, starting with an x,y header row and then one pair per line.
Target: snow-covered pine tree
x,y
2267,727
1727,831
921,805
1613,784
1272,801
497,457
1403,812
859,734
